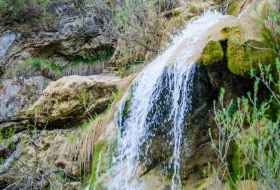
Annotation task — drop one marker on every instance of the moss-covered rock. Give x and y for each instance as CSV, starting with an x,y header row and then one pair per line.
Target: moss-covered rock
x,y
234,7
242,56
238,6
212,52
69,100
104,149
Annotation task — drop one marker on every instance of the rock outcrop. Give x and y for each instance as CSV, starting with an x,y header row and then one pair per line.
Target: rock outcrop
x,y
17,95
62,105
38,155
74,35
71,99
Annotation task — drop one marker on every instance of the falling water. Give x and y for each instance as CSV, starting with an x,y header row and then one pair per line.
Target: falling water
x,y
162,90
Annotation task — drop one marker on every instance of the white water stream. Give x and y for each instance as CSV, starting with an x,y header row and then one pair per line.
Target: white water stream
x,y
176,67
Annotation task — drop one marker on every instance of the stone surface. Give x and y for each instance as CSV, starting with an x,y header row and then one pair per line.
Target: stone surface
x,y
74,34
17,95
71,99
36,154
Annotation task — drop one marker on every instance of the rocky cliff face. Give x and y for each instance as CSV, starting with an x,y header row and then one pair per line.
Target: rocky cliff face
x,y
69,44
74,35
66,149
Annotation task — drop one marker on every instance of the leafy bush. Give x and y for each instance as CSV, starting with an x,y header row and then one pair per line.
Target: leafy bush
x,y
136,22
248,127
254,133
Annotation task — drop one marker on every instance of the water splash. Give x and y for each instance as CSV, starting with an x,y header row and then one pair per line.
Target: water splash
x,y
161,90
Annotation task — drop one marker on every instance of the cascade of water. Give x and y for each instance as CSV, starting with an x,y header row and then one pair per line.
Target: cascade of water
x,y
162,89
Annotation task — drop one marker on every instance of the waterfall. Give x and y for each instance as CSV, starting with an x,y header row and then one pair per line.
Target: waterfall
x,y
160,95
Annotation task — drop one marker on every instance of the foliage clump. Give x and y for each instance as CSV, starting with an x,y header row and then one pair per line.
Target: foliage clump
x,y
33,67
248,145
135,22
254,132
52,70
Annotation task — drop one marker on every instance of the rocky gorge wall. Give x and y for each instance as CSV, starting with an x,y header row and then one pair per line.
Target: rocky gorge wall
x,y
58,108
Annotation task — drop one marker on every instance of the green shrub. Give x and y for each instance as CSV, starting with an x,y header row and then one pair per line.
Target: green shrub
x,y
104,56
255,134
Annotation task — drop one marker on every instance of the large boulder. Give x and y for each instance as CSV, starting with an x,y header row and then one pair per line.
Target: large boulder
x,y
62,156
71,99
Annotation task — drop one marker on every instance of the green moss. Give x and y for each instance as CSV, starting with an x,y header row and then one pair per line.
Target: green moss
x,y
99,145
240,169
198,185
104,149
232,32
236,162
212,52
241,56
233,8
127,102
33,67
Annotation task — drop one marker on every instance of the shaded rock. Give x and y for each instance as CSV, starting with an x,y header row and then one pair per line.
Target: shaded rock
x,y
61,9
71,99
